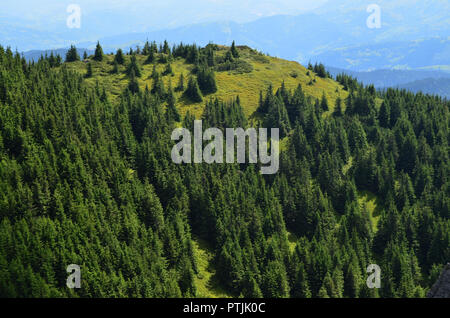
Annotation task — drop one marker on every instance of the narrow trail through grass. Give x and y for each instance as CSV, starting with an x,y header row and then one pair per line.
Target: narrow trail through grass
x,y
206,281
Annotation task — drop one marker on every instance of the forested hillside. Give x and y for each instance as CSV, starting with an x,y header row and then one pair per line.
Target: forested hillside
x,y
86,178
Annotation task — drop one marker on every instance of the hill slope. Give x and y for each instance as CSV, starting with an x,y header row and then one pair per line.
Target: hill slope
x,y
87,178
265,71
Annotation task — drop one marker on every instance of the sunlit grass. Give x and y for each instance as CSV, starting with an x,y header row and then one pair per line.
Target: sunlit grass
x,y
266,71
369,201
205,280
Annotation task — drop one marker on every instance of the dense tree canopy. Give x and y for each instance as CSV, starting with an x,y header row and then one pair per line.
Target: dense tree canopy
x,y
86,179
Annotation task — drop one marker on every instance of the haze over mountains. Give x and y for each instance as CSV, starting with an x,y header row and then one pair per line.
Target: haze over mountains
x,y
414,35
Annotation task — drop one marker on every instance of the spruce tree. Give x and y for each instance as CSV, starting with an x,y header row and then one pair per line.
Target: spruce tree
x,y
133,66
172,111
98,56
119,58
115,69
168,70
158,87
133,85
207,80
193,91
151,57
89,72
338,108
180,86
146,50
229,57
234,51
155,73
324,103
166,48
384,115
72,54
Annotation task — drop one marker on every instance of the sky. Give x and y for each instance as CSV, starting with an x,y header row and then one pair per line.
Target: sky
x,y
37,24
145,15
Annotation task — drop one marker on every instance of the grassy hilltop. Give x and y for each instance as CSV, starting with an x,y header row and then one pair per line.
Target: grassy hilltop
x,y
260,72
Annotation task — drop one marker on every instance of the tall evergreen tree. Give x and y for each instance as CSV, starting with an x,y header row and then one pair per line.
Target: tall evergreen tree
x,y
234,51
180,86
193,91
133,84
134,67
98,56
89,72
119,57
207,80
172,111
72,54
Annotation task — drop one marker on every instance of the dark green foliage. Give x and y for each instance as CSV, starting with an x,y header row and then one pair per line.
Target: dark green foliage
x,y
172,111
147,49
151,57
89,71
90,181
115,69
319,69
238,66
54,61
155,73
166,48
163,58
206,80
324,103
180,86
338,108
224,115
72,54
98,56
133,67
193,91
158,86
192,54
234,51
168,70
133,84
210,57
275,112
119,57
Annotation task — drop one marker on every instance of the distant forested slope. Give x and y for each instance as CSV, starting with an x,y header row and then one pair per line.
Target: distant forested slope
x,y
426,81
436,86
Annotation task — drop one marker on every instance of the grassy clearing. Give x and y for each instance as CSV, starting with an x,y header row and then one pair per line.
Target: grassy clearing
x,y
369,201
206,281
266,71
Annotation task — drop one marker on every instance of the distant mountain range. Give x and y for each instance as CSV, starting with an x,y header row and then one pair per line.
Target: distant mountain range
x,y
34,55
435,86
389,78
413,34
429,82
390,55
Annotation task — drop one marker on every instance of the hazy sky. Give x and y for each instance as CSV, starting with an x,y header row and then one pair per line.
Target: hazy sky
x,y
46,14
